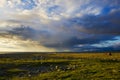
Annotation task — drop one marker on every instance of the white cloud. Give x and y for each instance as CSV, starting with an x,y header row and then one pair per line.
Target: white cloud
x,y
2,3
46,11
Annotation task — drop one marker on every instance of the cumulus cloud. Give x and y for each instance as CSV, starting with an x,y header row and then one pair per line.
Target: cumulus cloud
x,y
44,11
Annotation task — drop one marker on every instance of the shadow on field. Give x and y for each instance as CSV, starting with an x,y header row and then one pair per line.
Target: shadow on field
x,y
31,68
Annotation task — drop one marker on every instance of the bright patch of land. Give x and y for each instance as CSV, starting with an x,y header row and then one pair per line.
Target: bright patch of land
x,y
60,66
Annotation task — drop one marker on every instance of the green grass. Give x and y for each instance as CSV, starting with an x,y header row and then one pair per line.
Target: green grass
x,y
60,66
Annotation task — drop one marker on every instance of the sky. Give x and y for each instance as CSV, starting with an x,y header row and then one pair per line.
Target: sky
x,y
59,25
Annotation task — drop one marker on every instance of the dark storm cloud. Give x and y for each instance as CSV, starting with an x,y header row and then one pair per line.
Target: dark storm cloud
x,y
74,41
98,29
49,40
28,32
25,32
102,24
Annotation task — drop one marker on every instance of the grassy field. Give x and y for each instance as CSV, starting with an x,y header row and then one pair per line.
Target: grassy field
x,y
60,66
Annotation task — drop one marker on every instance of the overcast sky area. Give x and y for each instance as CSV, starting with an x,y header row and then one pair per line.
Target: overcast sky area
x,y
59,25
